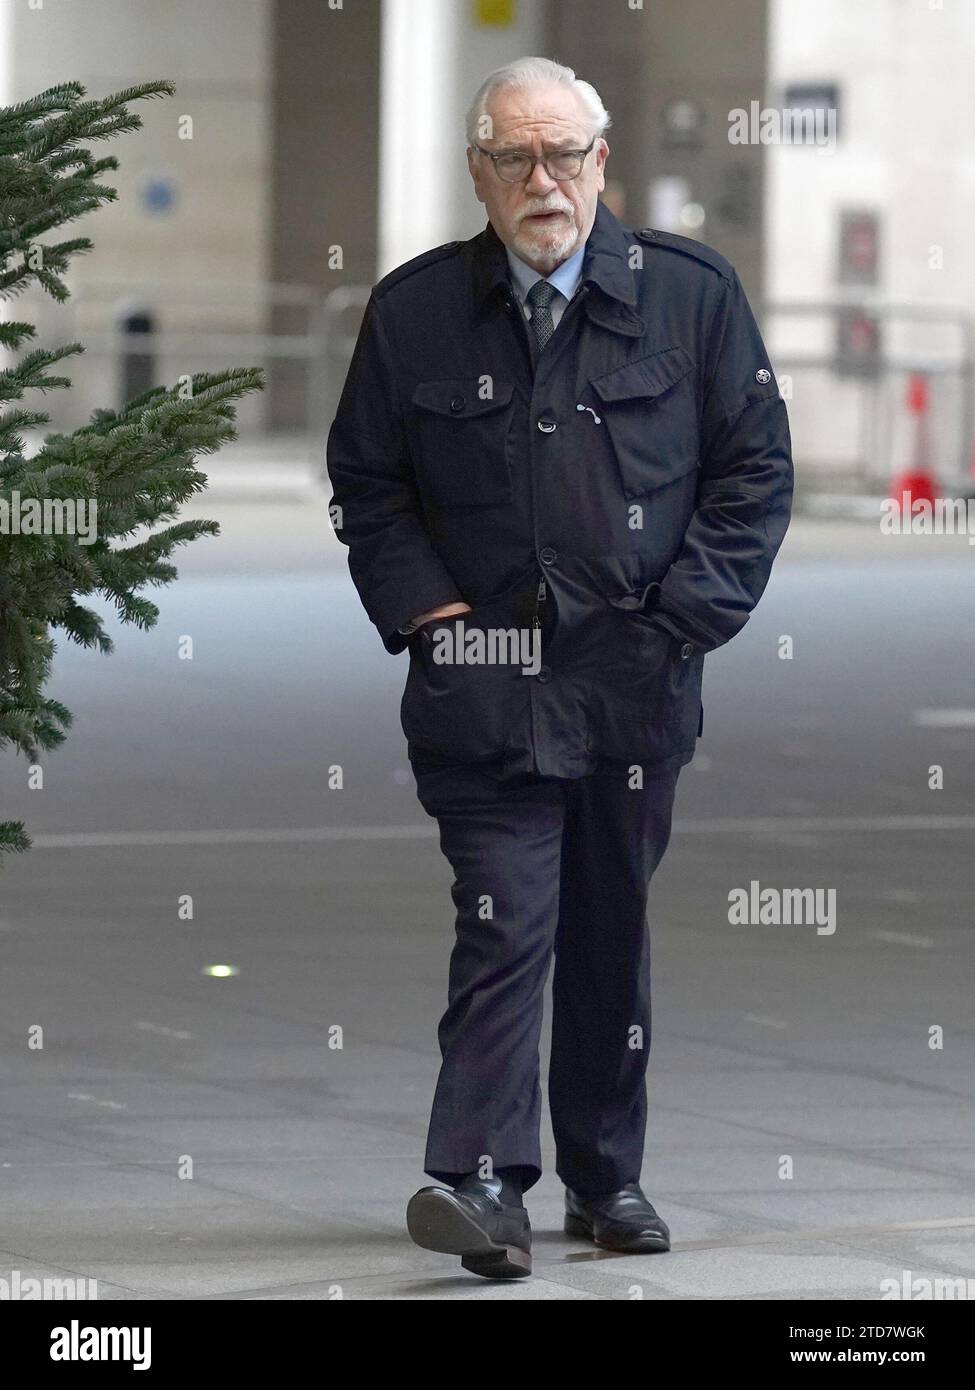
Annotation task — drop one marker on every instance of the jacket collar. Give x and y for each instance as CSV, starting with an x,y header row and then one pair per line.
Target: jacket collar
x,y
605,269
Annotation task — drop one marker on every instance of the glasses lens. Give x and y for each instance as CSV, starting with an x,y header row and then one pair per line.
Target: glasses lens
x,y
564,166
513,167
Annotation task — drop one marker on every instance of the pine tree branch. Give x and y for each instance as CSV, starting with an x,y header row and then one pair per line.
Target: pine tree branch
x,y
136,465
13,837
13,333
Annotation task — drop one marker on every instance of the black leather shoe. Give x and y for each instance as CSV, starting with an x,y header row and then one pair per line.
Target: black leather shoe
x,y
623,1221
492,1238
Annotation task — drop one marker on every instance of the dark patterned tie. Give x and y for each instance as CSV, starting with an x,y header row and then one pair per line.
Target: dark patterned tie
x,y
539,299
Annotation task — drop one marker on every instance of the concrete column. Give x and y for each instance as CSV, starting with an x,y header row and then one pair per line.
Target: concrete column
x,y
324,149
436,53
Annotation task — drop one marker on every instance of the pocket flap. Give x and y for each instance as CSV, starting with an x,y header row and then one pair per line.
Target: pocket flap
x,y
460,398
648,376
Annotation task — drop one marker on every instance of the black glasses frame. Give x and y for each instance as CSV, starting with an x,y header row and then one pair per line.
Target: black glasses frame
x,y
495,155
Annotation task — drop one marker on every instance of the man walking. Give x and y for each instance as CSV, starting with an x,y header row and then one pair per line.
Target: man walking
x,y
566,433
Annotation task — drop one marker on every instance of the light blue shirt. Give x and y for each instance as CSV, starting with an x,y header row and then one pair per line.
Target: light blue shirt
x,y
565,278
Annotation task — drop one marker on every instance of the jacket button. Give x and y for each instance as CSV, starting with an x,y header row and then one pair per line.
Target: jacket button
x,y
686,650
547,555
457,404
547,426
544,674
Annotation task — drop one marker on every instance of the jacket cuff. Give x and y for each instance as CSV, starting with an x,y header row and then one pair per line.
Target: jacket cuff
x,y
398,628
677,624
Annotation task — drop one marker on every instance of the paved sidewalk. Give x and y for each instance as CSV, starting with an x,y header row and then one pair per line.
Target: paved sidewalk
x,y
805,1139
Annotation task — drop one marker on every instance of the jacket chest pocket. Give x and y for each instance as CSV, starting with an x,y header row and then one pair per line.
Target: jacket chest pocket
x,y
462,453
650,409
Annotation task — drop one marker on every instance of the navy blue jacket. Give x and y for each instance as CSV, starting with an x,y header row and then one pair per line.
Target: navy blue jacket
x,y
640,466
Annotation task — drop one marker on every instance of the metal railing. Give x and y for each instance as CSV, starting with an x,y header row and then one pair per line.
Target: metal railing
x,y
913,339
846,408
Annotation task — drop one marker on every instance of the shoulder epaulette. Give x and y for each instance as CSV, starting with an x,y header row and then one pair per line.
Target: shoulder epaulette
x,y
438,253
688,247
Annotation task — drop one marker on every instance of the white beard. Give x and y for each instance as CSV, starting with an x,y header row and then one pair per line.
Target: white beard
x,y
545,244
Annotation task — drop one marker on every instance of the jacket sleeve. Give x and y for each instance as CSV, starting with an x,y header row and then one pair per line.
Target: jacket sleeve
x,y
375,505
745,491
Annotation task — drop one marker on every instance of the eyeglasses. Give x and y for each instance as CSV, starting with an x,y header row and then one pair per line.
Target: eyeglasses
x,y
513,167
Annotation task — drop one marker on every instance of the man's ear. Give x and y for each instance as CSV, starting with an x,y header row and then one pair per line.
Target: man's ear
x,y
602,152
476,174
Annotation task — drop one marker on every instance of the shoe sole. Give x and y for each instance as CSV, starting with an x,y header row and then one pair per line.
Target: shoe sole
x,y
648,1244
439,1222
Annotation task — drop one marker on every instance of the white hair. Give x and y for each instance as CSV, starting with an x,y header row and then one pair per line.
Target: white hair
x,y
531,72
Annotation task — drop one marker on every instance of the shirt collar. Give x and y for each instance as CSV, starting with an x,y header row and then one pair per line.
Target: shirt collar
x,y
606,263
607,268
565,277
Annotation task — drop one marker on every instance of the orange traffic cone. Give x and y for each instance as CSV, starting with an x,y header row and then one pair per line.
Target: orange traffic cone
x,y
917,482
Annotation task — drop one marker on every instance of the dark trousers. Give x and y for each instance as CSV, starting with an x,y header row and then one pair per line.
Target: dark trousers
x,y
543,865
